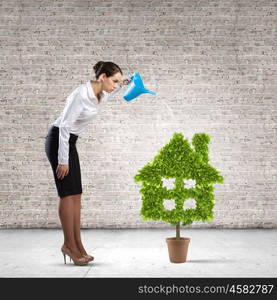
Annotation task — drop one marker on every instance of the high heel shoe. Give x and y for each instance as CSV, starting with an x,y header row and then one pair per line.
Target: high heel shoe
x,y
88,257
77,261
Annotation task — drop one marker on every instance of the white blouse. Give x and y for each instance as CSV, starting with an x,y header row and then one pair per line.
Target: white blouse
x,y
81,107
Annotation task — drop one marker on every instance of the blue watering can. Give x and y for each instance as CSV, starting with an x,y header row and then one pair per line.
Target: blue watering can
x,y
135,88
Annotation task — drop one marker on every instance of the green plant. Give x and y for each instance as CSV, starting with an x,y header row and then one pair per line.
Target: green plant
x,y
180,161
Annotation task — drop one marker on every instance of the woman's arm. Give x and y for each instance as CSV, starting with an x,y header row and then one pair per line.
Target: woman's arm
x,y
72,110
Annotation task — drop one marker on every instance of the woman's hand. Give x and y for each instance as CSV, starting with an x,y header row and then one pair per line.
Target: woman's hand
x,y
62,171
126,81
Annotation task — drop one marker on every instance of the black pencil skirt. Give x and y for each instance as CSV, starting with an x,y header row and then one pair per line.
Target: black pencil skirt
x,y
71,184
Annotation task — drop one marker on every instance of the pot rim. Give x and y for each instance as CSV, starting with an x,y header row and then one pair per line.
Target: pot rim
x,y
174,239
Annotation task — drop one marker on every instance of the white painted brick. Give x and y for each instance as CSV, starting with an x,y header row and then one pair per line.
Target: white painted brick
x,y
212,62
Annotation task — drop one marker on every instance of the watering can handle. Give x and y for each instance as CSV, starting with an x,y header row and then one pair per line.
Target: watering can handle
x,y
133,75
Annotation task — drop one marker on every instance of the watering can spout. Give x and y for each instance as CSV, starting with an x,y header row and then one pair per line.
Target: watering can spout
x,y
149,92
136,88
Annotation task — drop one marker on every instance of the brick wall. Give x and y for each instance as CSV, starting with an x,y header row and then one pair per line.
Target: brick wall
x,y
213,66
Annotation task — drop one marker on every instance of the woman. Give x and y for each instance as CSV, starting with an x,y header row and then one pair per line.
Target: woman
x,y
60,147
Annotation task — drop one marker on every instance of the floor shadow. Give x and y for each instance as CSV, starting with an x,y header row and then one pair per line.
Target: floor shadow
x,y
211,261
99,264
69,264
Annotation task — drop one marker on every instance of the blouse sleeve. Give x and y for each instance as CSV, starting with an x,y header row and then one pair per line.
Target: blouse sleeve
x,y
72,110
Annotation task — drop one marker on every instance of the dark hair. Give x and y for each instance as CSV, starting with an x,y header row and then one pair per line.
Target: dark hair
x,y
108,67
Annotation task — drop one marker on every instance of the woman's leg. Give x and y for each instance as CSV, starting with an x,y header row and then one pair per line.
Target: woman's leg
x,y
66,214
77,224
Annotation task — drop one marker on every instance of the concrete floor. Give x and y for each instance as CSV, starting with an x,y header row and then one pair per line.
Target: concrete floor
x,y
141,253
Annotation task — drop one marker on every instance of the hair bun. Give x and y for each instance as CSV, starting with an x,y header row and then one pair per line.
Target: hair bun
x,y
98,66
107,67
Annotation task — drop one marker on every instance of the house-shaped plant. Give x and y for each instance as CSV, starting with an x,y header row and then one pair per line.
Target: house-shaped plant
x,y
180,162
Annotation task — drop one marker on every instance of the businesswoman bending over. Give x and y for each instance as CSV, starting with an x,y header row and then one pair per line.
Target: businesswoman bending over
x,y
60,147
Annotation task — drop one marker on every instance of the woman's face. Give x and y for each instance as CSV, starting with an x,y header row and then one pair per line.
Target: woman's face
x,y
112,82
